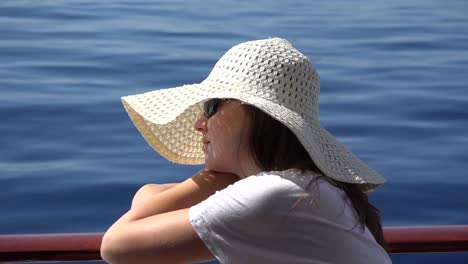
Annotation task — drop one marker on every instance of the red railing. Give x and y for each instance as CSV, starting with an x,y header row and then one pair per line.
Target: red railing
x,y
85,247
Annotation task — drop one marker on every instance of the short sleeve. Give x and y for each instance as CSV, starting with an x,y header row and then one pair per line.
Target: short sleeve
x,y
231,220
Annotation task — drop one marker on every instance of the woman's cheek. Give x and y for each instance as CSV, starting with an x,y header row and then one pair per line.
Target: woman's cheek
x,y
218,156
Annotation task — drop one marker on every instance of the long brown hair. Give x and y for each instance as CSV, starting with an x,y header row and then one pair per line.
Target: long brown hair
x,y
279,149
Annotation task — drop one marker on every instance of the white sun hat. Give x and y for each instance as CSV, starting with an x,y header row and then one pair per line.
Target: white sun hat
x,y
269,74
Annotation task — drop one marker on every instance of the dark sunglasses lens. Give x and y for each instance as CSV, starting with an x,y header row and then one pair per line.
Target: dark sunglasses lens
x,y
210,107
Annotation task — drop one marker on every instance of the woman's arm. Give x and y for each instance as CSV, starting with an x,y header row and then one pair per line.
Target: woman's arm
x,y
149,190
158,228
178,196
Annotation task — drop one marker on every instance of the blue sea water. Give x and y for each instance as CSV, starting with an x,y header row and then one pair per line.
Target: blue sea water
x,y
393,89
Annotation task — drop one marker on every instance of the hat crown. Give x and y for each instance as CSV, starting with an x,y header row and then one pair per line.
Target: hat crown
x,y
273,70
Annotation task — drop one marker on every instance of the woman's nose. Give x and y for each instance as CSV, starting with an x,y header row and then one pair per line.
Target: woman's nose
x,y
200,124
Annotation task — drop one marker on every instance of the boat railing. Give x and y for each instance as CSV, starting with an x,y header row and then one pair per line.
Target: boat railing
x,y
85,246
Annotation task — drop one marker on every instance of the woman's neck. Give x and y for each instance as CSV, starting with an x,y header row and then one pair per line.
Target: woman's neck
x,y
248,168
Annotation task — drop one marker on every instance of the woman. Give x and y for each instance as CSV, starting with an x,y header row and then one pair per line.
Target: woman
x,y
277,188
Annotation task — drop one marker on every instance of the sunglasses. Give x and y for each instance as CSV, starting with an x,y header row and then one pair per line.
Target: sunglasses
x,y
210,107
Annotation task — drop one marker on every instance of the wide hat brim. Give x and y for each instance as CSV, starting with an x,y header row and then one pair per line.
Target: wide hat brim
x,y
166,120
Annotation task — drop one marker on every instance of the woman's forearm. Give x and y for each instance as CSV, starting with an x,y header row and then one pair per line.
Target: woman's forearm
x,y
150,190
184,195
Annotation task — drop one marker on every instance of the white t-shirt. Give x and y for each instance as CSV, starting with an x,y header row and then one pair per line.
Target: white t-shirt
x,y
271,218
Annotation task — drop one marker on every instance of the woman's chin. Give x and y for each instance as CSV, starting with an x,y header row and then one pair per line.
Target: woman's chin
x,y
215,166
208,163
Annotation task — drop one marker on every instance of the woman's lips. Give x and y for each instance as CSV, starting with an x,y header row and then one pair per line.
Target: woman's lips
x,y
205,144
